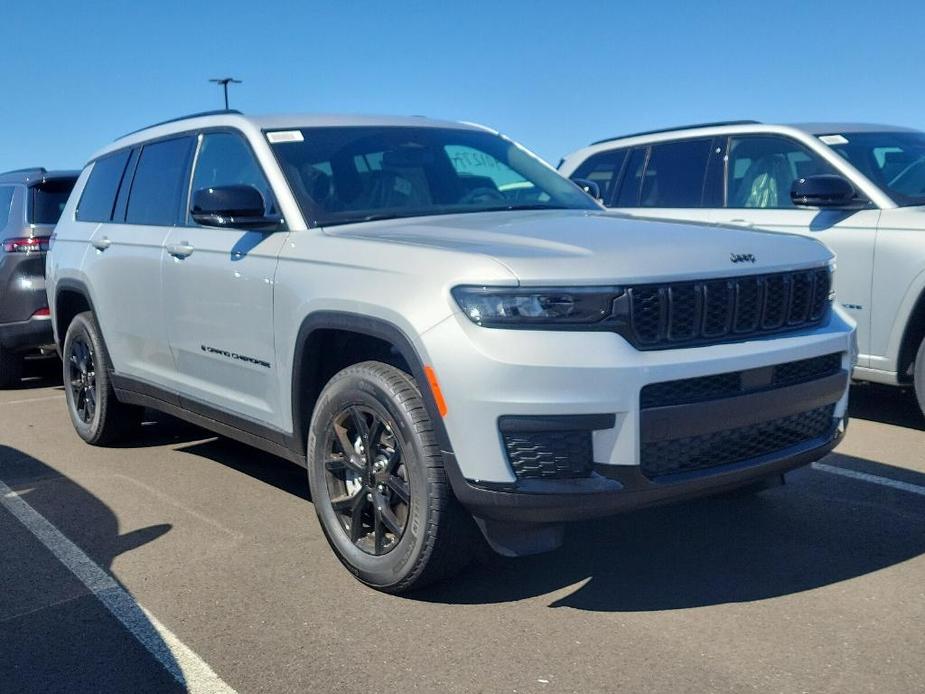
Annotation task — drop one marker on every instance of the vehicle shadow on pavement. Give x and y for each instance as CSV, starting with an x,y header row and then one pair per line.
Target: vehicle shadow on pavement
x,y
269,469
817,530
887,405
40,373
56,634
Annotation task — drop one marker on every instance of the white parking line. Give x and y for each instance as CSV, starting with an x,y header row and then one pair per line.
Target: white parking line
x,y
874,479
182,663
27,400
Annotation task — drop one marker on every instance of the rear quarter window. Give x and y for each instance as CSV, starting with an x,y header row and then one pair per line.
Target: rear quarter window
x,y
602,168
6,203
99,195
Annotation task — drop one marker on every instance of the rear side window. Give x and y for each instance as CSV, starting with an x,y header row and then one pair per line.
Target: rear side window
x,y
48,201
157,186
604,169
6,203
99,195
675,174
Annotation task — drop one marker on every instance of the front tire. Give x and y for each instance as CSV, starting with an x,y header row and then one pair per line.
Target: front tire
x,y
10,368
919,376
97,415
378,484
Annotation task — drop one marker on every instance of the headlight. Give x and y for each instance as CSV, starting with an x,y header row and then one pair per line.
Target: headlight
x,y
550,307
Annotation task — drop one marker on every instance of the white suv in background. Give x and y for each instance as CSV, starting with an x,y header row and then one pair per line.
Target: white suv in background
x,y
860,189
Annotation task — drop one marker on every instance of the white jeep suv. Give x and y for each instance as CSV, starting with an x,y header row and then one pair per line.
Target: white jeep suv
x,y
454,339
860,189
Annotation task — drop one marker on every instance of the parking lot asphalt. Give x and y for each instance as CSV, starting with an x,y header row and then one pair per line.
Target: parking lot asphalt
x,y
185,561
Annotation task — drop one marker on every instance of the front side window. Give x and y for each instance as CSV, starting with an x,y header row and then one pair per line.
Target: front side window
x,y
894,161
675,174
49,199
761,170
604,169
99,194
158,183
226,159
342,175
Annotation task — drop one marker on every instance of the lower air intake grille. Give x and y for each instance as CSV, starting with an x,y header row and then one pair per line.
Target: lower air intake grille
x,y
735,445
549,454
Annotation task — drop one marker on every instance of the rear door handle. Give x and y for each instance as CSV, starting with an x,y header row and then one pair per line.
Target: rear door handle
x,y
101,244
180,250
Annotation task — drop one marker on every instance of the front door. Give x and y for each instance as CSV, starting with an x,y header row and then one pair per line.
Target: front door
x,y
218,293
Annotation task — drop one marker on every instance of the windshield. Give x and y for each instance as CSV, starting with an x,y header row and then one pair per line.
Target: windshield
x,y
49,199
895,161
354,174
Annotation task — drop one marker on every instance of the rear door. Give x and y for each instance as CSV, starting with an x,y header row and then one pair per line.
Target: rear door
x,y
124,260
760,170
218,292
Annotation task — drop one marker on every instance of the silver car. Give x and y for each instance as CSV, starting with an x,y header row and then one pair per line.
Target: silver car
x,y
455,340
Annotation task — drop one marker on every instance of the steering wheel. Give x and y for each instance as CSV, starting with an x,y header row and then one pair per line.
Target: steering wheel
x,y
483,194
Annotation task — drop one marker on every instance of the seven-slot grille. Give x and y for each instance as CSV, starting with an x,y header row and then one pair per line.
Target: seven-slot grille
x,y
688,313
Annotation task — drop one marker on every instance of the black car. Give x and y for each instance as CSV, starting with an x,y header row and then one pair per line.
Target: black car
x,y
31,201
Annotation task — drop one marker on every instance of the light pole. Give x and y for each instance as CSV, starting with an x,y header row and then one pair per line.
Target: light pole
x,y
225,81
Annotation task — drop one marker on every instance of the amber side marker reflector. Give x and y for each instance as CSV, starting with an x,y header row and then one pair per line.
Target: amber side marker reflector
x,y
435,390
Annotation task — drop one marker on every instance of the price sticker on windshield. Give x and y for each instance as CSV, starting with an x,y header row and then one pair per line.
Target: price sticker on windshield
x,y
285,136
834,139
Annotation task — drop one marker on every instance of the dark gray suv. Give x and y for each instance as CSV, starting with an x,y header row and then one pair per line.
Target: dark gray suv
x,y
31,201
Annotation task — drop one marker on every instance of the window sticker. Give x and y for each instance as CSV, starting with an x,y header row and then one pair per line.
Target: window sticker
x,y
285,136
833,139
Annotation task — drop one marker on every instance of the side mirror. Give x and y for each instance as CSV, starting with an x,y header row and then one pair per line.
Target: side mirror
x,y
824,190
236,207
590,187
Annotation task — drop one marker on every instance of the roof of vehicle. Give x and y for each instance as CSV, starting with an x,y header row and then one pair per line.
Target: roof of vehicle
x,y
36,175
276,122
833,128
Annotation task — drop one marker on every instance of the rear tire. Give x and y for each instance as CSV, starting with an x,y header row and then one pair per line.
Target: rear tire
x,y
10,368
97,415
378,483
919,376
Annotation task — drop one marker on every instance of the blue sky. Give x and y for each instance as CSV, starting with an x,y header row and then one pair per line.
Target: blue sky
x,y
554,75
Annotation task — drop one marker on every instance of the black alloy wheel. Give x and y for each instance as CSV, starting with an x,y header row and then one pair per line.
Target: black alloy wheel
x,y
367,483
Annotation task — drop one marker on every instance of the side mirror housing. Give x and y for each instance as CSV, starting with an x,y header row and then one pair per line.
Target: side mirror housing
x,y
825,190
235,206
590,187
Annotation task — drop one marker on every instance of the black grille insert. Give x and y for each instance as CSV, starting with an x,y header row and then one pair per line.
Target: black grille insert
x,y
549,454
730,384
735,445
691,313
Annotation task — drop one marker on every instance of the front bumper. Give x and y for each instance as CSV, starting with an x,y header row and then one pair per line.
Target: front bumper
x,y
489,375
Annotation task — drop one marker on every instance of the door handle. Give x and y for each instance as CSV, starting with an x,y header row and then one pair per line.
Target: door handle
x,y
180,250
101,244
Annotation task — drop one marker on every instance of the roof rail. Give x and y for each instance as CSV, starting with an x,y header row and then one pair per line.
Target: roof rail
x,y
28,169
219,112
680,127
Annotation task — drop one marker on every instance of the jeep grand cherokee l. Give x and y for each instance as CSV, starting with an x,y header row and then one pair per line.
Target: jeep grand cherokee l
x,y
858,188
455,340
31,201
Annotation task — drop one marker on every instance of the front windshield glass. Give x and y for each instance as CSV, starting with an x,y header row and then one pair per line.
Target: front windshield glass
x,y
354,174
895,161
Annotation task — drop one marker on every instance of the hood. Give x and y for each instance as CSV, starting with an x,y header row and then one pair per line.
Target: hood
x,y
590,247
